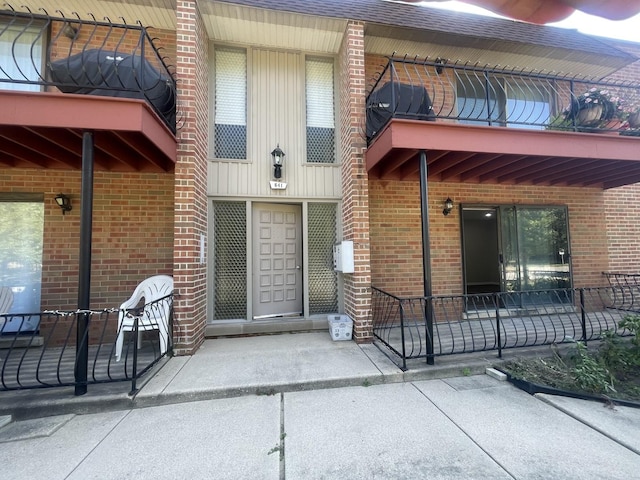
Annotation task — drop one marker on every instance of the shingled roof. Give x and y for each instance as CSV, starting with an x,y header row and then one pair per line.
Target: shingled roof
x,y
409,16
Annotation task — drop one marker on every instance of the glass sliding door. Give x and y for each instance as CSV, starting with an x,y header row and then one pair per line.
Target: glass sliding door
x,y
535,251
520,250
21,230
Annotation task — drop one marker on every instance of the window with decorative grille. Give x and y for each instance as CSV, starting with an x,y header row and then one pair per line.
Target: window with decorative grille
x,y
320,103
230,260
230,131
323,280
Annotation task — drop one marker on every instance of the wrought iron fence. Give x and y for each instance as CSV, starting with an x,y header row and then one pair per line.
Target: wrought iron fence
x,y
473,94
40,350
626,290
75,55
427,327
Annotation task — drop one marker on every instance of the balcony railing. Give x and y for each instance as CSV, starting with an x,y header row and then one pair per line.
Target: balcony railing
x,y
39,52
52,355
480,95
429,327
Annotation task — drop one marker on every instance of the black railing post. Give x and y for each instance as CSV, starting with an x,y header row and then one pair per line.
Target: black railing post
x,y
134,368
426,256
404,348
84,275
143,38
487,89
583,316
496,300
572,96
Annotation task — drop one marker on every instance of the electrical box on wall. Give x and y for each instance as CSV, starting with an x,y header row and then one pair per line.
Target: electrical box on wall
x,y
343,257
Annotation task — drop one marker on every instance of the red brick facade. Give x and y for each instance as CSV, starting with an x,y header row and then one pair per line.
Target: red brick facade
x,y
132,232
190,231
355,204
396,244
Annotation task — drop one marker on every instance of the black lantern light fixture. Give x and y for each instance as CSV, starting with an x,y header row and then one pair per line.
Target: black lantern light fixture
x,y
448,206
63,202
278,160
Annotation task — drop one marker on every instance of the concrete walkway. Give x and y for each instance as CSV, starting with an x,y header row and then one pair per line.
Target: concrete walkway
x,y
304,407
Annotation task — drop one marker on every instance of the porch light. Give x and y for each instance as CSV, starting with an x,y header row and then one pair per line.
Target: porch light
x,y
63,202
448,206
278,159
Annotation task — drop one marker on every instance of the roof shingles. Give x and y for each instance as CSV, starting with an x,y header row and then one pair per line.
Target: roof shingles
x,y
404,15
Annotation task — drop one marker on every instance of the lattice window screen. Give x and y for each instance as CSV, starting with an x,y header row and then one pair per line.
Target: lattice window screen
x,y
320,110
323,281
230,260
230,103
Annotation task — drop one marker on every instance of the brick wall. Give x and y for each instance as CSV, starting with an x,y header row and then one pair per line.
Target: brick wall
x,y
622,205
191,179
355,206
132,232
396,242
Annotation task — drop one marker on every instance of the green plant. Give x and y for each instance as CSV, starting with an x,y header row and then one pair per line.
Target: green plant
x,y
590,374
612,106
559,122
632,323
466,371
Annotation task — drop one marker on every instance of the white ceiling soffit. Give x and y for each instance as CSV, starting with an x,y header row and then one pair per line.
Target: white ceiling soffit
x,y
273,29
158,14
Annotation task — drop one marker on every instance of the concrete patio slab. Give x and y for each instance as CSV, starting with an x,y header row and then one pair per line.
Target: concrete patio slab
x,y
621,424
224,438
263,365
527,437
38,427
382,432
55,456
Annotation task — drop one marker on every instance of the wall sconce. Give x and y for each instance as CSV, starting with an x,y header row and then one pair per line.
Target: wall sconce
x,y
278,159
63,202
70,31
448,206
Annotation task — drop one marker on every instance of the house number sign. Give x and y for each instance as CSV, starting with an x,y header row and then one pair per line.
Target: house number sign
x,y
278,185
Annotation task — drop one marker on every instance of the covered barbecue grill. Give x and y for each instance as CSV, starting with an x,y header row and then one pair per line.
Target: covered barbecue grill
x,y
115,74
397,100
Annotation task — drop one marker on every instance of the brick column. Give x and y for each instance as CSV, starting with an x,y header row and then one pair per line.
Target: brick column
x,y
190,178
355,182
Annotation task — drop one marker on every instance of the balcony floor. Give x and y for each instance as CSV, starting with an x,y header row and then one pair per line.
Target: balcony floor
x,y
44,130
499,155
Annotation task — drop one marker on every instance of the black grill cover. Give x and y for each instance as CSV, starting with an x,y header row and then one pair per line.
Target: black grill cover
x,y
114,74
406,101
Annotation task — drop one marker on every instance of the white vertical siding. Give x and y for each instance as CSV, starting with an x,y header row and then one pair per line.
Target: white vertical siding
x,y
276,115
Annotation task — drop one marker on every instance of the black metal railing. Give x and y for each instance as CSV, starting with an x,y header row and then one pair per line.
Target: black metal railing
x,y
74,55
626,290
428,327
433,89
41,350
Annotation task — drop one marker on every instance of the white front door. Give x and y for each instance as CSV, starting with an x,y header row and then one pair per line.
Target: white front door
x,y
277,260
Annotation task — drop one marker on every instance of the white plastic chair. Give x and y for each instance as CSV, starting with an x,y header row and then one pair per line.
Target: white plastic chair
x,y
6,299
6,302
152,316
